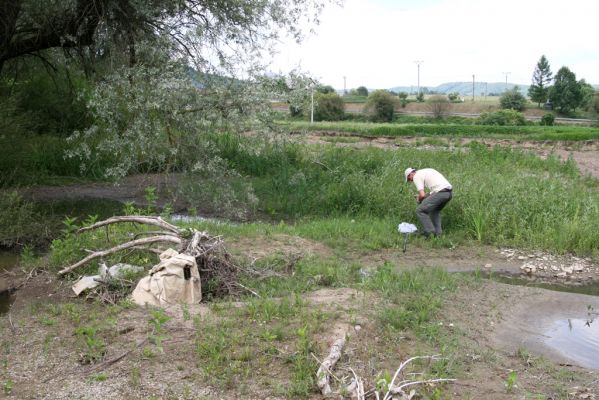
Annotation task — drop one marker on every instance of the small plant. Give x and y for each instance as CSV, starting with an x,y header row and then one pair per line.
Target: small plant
x,y
547,119
135,377
95,345
7,387
510,381
159,318
148,352
151,199
99,377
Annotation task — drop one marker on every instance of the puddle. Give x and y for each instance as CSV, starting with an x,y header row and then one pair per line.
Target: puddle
x,y
591,289
576,339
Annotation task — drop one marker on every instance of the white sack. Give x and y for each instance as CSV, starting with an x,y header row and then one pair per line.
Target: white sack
x,y
166,283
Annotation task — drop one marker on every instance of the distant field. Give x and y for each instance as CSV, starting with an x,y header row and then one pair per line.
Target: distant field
x,y
570,133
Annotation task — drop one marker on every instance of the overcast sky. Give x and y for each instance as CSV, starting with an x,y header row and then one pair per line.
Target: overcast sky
x,y
375,43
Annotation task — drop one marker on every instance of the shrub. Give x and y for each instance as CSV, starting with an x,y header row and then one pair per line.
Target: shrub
x,y
328,107
403,99
19,222
502,117
439,105
420,97
513,100
547,119
455,96
381,106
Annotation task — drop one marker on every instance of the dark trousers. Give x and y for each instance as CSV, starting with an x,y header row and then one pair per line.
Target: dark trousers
x,y
429,211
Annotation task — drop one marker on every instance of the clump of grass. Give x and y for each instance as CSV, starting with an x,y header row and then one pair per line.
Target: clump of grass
x,y
415,297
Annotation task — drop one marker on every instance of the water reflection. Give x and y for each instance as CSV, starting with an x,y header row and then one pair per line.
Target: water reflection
x,y
577,339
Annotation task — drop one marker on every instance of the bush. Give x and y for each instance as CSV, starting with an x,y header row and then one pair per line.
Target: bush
x,y
19,222
439,105
455,96
547,119
381,106
594,105
513,100
328,107
502,117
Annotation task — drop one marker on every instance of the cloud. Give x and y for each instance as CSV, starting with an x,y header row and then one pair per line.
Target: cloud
x,y
375,42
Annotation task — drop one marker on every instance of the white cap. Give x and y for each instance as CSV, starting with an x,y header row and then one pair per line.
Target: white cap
x,y
408,172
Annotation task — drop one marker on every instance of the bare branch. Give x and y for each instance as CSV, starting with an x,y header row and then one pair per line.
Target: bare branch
x,y
140,219
133,243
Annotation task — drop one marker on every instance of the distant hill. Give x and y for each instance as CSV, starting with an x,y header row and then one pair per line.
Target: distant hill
x,y
465,88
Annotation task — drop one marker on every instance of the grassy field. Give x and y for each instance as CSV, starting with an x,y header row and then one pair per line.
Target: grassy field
x,y
573,133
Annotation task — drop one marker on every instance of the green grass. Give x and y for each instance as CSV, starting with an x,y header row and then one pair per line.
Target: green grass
x,y
342,195
35,159
529,132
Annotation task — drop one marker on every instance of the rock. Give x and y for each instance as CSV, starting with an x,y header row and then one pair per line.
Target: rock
x,y
521,258
561,275
488,265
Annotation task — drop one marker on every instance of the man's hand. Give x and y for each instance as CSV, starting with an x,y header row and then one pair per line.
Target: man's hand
x,y
421,196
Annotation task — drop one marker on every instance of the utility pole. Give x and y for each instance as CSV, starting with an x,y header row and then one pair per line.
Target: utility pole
x,y
344,87
506,74
473,88
486,92
418,62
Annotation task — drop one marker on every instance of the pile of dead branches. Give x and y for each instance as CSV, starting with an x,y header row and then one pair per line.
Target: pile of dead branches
x,y
219,273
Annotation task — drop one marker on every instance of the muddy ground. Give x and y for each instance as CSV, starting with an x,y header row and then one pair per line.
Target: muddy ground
x,y
498,329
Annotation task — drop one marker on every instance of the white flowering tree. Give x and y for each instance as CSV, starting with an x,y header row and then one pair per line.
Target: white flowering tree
x,y
167,74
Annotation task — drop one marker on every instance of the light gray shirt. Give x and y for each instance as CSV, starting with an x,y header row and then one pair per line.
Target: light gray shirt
x,y
431,179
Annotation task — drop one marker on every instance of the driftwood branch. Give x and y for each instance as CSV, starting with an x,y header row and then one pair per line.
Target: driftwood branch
x,y
133,243
139,219
328,364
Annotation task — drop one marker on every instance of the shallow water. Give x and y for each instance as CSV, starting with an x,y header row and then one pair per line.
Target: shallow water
x,y
589,289
576,339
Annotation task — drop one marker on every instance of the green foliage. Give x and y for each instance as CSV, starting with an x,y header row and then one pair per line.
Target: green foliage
x,y
439,105
510,381
381,106
420,97
594,105
29,159
547,119
566,93
325,89
502,117
538,91
328,107
366,184
362,91
456,129
417,296
95,346
454,96
588,93
513,100
403,99
19,222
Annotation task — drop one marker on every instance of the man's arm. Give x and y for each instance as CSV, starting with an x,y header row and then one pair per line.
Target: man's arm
x,y
421,196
